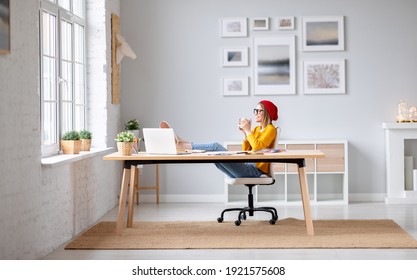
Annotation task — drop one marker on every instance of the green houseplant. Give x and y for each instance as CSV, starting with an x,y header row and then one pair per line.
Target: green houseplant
x,y
85,136
70,142
133,126
125,142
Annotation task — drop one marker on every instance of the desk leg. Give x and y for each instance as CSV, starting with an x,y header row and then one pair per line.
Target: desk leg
x,y
157,184
133,183
306,200
122,200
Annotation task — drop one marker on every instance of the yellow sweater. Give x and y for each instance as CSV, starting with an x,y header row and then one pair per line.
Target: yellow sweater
x,y
259,140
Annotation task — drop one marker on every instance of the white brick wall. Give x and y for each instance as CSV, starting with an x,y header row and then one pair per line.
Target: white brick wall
x,y
42,208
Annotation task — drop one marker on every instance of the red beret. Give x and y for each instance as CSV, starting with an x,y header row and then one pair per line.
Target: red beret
x,y
271,108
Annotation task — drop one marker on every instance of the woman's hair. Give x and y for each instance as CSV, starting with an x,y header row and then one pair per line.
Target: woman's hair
x,y
267,117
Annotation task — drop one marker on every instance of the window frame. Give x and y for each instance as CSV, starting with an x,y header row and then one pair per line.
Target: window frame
x,y
60,84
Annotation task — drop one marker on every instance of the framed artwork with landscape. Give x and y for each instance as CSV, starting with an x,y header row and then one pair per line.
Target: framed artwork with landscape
x,y
323,34
235,86
261,23
274,65
234,27
235,57
286,23
4,26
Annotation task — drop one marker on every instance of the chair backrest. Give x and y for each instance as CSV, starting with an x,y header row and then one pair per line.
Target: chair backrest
x,y
277,138
271,166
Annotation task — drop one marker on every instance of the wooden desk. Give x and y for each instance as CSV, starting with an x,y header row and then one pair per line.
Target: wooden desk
x,y
291,156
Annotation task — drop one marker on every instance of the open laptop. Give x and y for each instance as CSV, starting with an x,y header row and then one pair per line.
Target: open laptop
x,y
160,141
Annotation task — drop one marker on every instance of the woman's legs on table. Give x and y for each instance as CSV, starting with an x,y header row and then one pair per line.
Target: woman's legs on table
x,y
231,169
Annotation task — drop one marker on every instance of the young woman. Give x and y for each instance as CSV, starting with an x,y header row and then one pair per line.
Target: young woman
x,y
261,137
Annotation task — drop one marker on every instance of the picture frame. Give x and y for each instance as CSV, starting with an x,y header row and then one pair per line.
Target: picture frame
x,y
232,57
234,27
324,76
4,27
260,23
235,86
286,23
274,65
323,33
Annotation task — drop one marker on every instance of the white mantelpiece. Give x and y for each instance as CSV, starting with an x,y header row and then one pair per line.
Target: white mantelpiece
x,y
395,135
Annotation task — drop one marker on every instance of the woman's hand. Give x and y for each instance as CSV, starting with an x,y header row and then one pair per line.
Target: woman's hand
x,y
245,125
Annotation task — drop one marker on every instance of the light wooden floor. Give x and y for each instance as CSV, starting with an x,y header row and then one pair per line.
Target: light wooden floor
x,y
404,215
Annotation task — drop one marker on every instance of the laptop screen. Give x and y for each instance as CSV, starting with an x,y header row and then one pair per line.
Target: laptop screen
x,y
159,140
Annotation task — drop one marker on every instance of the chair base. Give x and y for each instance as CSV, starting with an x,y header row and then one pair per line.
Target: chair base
x,y
250,210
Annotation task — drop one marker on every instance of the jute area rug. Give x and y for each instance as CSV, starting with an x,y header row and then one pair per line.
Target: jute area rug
x,y
287,233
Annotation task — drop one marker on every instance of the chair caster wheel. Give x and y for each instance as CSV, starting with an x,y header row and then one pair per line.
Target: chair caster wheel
x,y
237,222
220,219
272,221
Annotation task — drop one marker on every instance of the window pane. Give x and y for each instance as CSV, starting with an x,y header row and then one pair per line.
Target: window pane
x,y
79,85
66,112
49,79
79,117
46,85
66,40
79,43
77,7
49,123
65,4
49,34
67,81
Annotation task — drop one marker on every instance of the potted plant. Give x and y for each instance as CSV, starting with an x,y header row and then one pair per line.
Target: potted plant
x,y
125,142
85,136
71,143
133,126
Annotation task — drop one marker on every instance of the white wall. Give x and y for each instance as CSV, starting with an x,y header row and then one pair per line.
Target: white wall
x,y
41,208
176,77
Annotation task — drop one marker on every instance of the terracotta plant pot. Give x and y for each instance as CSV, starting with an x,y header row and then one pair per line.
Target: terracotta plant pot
x,y
125,148
85,145
71,146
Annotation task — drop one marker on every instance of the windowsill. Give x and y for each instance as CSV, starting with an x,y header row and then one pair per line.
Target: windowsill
x,y
61,159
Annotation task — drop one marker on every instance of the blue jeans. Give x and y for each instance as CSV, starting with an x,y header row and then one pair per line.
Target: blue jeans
x,y
231,169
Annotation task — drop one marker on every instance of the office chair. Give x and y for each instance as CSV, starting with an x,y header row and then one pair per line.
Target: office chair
x,y
250,183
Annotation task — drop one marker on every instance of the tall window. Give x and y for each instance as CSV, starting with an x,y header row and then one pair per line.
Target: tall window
x,y
63,70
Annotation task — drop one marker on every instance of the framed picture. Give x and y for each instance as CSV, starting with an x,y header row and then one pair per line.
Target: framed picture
x,y
261,23
274,65
324,77
286,23
323,34
235,57
4,26
234,27
235,86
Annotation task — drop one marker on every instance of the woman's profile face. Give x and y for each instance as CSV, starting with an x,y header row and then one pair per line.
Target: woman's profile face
x,y
259,113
